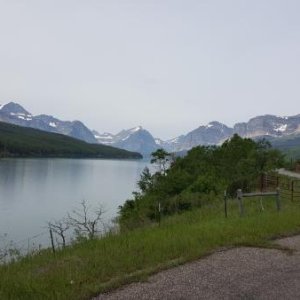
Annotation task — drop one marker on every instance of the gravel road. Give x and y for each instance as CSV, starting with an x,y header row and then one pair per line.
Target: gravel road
x,y
288,173
240,273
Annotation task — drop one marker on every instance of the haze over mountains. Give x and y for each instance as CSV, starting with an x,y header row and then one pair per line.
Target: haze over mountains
x,y
140,140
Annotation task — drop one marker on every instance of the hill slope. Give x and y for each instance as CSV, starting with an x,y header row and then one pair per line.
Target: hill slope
x,y
289,144
17,141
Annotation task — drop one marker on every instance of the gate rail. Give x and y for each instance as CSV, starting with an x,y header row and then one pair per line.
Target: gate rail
x,y
241,195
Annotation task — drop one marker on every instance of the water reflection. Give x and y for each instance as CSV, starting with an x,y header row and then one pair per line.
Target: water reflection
x,y
34,191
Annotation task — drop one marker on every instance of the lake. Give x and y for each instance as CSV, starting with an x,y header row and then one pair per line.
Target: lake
x,y
35,191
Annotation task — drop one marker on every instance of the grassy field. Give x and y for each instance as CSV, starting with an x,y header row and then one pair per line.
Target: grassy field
x,y
86,269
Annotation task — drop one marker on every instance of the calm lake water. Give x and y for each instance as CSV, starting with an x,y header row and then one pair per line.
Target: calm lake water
x,y
35,191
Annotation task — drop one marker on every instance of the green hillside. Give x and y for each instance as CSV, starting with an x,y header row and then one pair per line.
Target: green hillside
x,y
17,141
290,145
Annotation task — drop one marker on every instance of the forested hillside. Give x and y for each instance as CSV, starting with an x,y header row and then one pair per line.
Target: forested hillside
x,y
17,141
290,145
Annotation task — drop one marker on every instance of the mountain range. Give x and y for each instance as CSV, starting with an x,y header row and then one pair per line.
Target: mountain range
x,y
214,133
14,113
140,140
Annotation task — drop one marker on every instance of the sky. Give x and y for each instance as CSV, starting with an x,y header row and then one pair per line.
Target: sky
x,y
167,65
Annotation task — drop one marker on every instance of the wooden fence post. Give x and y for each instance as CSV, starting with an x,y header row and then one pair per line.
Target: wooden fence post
x,y
159,213
240,200
278,199
225,203
292,191
52,241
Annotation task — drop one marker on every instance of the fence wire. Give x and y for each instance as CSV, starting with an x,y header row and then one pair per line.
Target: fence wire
x,y
289,187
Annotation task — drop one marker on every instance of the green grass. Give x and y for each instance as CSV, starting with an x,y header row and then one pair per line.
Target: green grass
x,y
83,270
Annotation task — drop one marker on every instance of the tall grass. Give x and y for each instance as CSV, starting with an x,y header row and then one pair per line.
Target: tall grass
x,y
83,270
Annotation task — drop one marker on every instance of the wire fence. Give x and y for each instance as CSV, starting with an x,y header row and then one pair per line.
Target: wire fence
x,y
30,243
289,187
15,249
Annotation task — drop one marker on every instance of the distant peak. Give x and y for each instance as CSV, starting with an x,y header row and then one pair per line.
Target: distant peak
x,y
214,123
12,104
78,123
13,107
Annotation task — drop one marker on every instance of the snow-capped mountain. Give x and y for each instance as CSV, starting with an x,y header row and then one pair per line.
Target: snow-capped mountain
x,y
216,133
170,145
105,138
135,138
140,140
269,125
15,114
211,134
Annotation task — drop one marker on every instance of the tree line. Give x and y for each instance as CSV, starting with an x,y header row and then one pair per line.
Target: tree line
x,y
197,179
17,141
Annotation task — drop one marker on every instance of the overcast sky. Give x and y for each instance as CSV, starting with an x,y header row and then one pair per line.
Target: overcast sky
x,y
167,65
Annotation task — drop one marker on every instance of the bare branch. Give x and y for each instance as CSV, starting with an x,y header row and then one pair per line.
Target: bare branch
x,y
60,227
85,225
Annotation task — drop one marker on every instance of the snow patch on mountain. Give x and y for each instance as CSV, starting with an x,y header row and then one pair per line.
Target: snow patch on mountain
x,y
125,138
104,137
135,129
281,128
174,140
158,141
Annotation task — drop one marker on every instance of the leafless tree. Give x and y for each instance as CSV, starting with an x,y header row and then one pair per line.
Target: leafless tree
x,y
60,227
86,223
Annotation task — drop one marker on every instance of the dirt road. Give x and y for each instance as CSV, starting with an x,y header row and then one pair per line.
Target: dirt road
x,y
240,273
289,173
